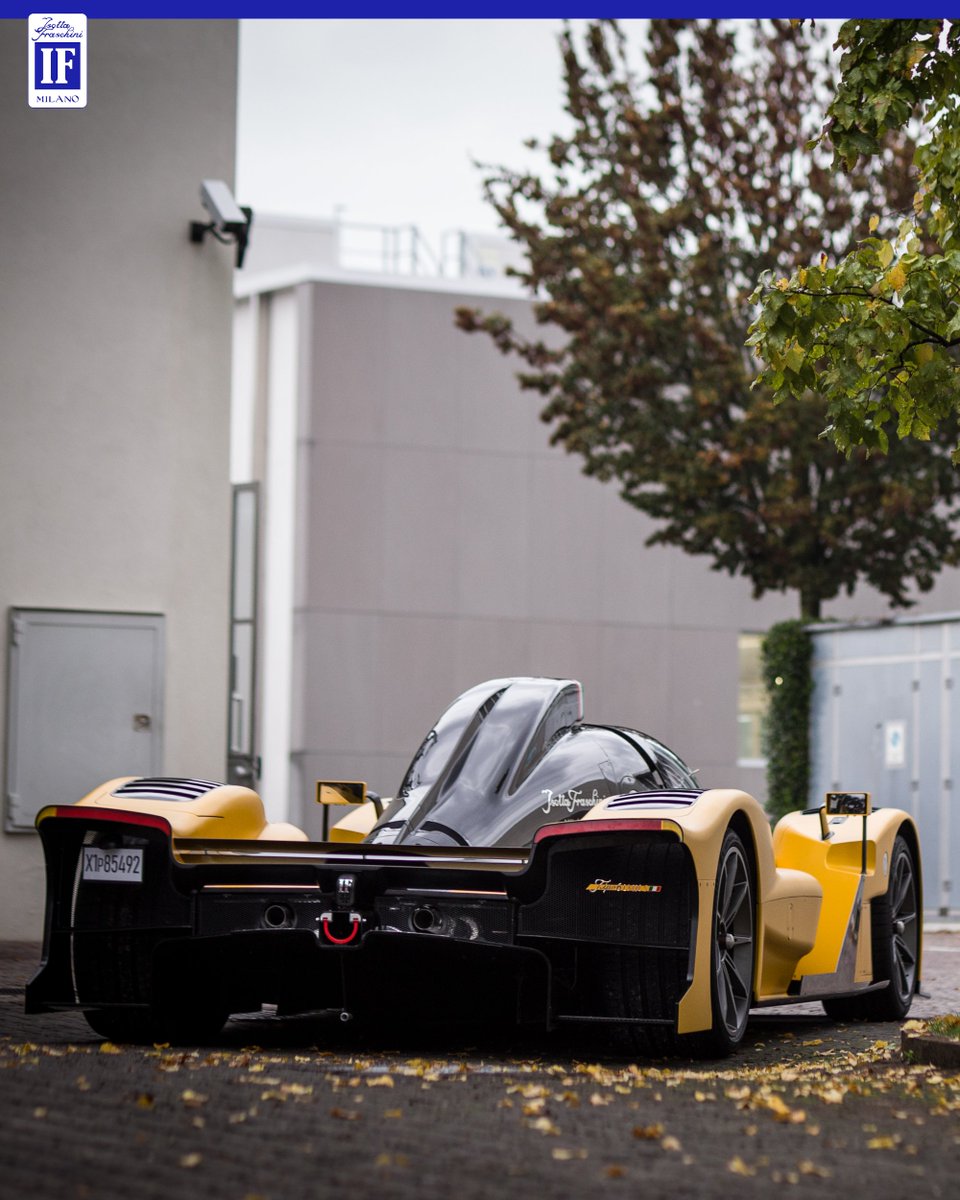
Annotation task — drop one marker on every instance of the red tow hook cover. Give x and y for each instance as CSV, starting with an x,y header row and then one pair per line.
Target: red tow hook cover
x,y
353,921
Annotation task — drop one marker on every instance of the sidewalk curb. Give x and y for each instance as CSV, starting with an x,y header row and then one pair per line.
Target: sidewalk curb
x,y
925,1048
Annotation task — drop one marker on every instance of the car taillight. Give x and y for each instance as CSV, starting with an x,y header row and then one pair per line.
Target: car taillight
x,y
113,815
619,825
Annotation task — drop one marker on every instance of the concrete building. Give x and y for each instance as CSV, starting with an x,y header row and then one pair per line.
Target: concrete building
x,y
115,336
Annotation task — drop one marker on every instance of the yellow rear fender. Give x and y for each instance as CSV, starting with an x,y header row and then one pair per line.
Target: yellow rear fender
x,y
787,899
704,826
194,808
786,903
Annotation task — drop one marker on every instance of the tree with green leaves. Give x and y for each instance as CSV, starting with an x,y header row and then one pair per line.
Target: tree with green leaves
x,y
644,234
876,331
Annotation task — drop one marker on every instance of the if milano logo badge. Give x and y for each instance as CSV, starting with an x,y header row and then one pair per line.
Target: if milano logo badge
x,y
57,60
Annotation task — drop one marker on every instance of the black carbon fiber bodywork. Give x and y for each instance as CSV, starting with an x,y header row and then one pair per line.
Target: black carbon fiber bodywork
x,y
520,944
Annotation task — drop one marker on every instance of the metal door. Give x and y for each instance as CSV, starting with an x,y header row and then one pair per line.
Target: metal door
x,y
882,720
84,705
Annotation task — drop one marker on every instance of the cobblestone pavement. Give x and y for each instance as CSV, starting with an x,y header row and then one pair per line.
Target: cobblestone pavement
x,y
278,1110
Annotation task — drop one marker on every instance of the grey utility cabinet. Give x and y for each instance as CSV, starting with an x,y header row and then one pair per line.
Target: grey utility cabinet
x,y
885,718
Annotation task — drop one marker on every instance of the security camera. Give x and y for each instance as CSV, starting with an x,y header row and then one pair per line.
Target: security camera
x,y
218,200
229,222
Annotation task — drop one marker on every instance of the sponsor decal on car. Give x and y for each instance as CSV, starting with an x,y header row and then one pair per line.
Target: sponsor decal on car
x,y
569,801
605,885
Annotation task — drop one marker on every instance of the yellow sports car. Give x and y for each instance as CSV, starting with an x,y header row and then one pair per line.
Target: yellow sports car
x,y
532,868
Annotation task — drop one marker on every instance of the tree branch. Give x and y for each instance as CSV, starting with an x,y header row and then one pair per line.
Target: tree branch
x,y
932,335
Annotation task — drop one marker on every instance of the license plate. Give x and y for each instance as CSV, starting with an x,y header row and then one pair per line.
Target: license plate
x,y
112,866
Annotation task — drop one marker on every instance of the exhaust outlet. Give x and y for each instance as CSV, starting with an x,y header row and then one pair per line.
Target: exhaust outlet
x,y
277,916
426,920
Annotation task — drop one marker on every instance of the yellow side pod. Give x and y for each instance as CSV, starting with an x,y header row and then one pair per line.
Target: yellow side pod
x,y
836,865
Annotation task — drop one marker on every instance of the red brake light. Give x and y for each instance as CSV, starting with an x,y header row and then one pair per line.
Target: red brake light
x,y
620,824
123,816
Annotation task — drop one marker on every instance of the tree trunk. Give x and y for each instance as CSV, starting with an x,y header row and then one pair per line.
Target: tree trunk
x,y
810,605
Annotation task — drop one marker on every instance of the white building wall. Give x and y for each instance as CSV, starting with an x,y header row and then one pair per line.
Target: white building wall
x,y
115,340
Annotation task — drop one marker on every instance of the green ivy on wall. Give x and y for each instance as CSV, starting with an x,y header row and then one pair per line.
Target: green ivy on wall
x,y
786,655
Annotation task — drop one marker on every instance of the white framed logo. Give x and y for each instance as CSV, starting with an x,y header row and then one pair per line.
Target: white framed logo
x,y
57,60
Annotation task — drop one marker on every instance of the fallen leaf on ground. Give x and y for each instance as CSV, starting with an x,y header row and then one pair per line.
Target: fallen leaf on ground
x,y
811,1168
545,1125
884,1142
391,1160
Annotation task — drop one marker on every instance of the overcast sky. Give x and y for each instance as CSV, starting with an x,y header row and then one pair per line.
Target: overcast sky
x,y
385,118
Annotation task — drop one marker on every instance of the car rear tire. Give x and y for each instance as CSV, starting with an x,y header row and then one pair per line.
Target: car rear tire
x,y
895,942
731,950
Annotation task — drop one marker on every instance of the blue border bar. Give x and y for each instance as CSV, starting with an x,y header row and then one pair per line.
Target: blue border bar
x,y
420,9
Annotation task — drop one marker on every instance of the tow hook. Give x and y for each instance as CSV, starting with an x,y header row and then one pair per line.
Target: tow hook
x,y
353,921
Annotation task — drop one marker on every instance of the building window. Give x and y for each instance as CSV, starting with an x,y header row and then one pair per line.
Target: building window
x,y
752,702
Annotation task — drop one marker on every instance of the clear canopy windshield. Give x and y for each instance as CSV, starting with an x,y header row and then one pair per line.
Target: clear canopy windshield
x,y
478,753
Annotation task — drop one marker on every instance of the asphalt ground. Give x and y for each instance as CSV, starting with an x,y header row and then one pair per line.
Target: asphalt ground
x,y
278,1110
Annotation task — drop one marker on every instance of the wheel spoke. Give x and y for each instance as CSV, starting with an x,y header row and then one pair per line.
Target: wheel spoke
x,y
726,889
903,986
733,975
903,884
737,898
904,953
722,994
730,1015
